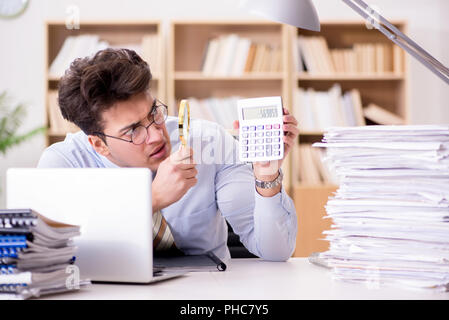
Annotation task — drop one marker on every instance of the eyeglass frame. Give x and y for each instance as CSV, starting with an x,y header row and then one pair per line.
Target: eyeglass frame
x,y
153,110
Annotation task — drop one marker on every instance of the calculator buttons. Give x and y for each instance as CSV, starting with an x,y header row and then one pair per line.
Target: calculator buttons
x,y
258,141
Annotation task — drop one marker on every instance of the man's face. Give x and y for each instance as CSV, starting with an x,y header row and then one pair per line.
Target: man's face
x,y
120,120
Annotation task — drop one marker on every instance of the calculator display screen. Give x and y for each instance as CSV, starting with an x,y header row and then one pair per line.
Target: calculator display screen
x,y
260,112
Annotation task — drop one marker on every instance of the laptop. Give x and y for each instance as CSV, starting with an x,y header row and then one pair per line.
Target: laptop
x,y
113,208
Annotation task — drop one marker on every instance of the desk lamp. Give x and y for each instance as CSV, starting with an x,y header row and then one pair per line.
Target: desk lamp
x,y
302,14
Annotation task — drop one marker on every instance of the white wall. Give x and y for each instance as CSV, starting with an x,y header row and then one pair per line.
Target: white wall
x,y
22,50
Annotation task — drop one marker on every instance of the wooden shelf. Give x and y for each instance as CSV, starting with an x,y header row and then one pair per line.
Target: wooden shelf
x,y
194,75
351,77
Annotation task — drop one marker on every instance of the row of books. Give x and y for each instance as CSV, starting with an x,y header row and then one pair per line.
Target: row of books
x,y
220,110
231,55
88,44
318,110
57,124
309,167
36,255
312,55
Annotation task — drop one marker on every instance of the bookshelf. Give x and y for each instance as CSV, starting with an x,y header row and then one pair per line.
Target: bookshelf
x,y
379,76
185,73
191,75
136,35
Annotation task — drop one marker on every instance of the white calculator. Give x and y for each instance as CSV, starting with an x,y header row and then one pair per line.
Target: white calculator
x,y
260,129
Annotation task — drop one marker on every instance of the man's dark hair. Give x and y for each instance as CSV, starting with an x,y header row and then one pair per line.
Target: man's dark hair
x,y
94,84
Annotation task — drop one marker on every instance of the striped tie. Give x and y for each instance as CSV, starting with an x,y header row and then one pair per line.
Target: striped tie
x,y
162,237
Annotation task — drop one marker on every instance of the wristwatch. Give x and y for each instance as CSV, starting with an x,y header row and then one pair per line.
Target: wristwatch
x,y
270,184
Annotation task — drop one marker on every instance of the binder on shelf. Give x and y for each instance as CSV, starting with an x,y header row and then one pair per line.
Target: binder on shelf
x,y
313,55
317,110
232,55
58,125
381,116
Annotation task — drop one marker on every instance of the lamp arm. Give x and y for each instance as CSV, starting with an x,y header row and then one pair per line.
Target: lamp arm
x,y
399,38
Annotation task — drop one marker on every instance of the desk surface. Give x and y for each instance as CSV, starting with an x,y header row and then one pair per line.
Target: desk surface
x,y
251,279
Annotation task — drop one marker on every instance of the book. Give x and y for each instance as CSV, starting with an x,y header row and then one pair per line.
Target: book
x,y
381,116
57,124
75,47
317,110
220,110
250,59
150,52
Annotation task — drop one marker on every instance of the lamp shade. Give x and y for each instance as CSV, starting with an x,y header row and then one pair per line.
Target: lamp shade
x,y
299,13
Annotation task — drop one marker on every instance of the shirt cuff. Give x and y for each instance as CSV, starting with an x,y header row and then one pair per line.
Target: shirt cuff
x,y
274,203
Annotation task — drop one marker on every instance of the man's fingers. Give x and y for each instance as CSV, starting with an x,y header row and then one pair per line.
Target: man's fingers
x,y
290,119
184,155
291,128
189,173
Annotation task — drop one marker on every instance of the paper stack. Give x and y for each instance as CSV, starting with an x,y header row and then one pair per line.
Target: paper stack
x,y
36,255
391,212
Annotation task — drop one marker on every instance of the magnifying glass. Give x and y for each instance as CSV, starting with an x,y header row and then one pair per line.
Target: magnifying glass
x,y
184,122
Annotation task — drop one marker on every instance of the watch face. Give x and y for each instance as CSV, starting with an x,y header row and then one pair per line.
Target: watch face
x,y
12,8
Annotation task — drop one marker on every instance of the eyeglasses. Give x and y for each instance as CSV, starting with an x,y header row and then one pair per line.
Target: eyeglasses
x,y
139,134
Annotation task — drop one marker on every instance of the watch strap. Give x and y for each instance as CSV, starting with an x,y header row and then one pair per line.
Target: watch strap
x,y
270,184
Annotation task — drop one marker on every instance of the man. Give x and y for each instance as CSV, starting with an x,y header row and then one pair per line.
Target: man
x,y
195,188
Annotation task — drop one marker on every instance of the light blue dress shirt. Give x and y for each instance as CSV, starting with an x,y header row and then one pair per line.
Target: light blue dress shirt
x,y
267,226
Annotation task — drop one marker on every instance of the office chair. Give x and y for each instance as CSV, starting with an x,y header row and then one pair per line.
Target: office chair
x,y
236,248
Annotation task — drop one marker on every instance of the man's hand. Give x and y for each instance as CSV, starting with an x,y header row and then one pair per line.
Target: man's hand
x,y
174,177
268,170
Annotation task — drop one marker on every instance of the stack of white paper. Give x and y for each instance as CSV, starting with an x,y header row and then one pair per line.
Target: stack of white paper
x,y
36,255
391,212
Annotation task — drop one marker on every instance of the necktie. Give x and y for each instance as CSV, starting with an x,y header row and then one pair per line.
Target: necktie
x,y
162,236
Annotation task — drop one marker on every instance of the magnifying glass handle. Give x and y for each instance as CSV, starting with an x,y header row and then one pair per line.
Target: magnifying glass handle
x,y
184,122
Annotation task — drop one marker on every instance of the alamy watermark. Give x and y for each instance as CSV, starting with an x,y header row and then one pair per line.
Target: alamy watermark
x,y
72,281
72,20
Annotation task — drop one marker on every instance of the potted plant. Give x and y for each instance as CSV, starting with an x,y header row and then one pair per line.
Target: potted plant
x,y
10,121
